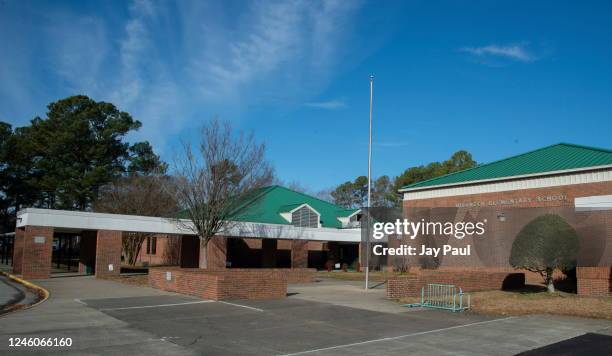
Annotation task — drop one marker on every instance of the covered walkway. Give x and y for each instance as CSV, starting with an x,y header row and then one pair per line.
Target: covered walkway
x,y
91,243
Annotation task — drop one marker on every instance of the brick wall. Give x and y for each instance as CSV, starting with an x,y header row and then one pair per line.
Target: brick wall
x,y
594,281
571,191
167,251
469,281
108,252
37,250
221,284
594,230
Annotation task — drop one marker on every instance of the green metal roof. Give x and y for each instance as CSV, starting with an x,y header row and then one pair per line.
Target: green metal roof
x,y
265,205
559,157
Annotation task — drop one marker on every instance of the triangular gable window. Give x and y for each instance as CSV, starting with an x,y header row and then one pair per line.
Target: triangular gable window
x,y
304,217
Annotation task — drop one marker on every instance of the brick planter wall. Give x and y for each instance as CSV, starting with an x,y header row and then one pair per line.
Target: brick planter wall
x,y
221,284
469,281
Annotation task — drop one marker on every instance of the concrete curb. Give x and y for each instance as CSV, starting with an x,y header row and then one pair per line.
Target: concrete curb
x,y
40,291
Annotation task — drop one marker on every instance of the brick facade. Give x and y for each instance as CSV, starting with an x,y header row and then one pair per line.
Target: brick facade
x,y
594,230
594,281
166,253
108,253
468,281
570,191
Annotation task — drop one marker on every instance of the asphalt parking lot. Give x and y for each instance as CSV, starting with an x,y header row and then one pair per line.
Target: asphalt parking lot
x,y
106,317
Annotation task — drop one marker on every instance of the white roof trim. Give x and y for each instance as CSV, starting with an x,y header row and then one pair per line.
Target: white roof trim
x,y
355,213
565,171
79,220
301,206
511,185
346,219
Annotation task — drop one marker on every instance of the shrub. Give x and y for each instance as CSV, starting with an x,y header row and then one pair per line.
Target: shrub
x,y
546,243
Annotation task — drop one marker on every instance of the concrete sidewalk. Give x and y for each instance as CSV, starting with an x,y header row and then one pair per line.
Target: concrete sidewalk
x,y
93,332
347,293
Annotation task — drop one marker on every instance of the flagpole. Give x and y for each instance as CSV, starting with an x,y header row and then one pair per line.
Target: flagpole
x,y
367,258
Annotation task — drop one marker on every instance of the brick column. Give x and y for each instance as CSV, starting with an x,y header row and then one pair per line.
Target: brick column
x,y
108,253
217,252
594,281
37,250
299,253
18,250
87,252
268,253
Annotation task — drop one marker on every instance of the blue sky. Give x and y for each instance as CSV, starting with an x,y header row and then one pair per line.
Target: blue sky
x,y
494,78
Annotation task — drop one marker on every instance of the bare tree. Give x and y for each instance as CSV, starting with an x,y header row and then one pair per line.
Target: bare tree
x,y
137,195
211,182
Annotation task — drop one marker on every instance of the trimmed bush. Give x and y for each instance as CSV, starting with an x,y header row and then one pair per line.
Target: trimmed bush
x,y
546,243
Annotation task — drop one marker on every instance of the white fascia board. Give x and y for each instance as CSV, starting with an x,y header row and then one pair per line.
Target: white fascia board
x,y
101,221
510,185
98,221
290,232
596,202
522,176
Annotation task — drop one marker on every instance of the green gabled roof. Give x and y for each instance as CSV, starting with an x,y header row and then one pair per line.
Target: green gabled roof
x,y
265,205
559,157
289,207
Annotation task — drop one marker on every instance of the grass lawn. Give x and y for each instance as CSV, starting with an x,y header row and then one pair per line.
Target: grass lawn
x,y
359,276
533,300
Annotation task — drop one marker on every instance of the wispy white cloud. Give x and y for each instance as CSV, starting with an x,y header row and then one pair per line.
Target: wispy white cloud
x,y
281,51
171,64
516,52
329,105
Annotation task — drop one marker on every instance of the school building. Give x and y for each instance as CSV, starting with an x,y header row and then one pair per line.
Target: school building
x,y
571,180
277,229
274,227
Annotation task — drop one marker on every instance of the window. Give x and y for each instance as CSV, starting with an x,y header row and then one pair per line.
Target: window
x,y
151,245
305,217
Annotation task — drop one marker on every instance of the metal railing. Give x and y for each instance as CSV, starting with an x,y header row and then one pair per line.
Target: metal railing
x,y
442,296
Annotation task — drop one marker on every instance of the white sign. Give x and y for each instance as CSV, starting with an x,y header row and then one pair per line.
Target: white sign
x,y
168,276
110,267
39,239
